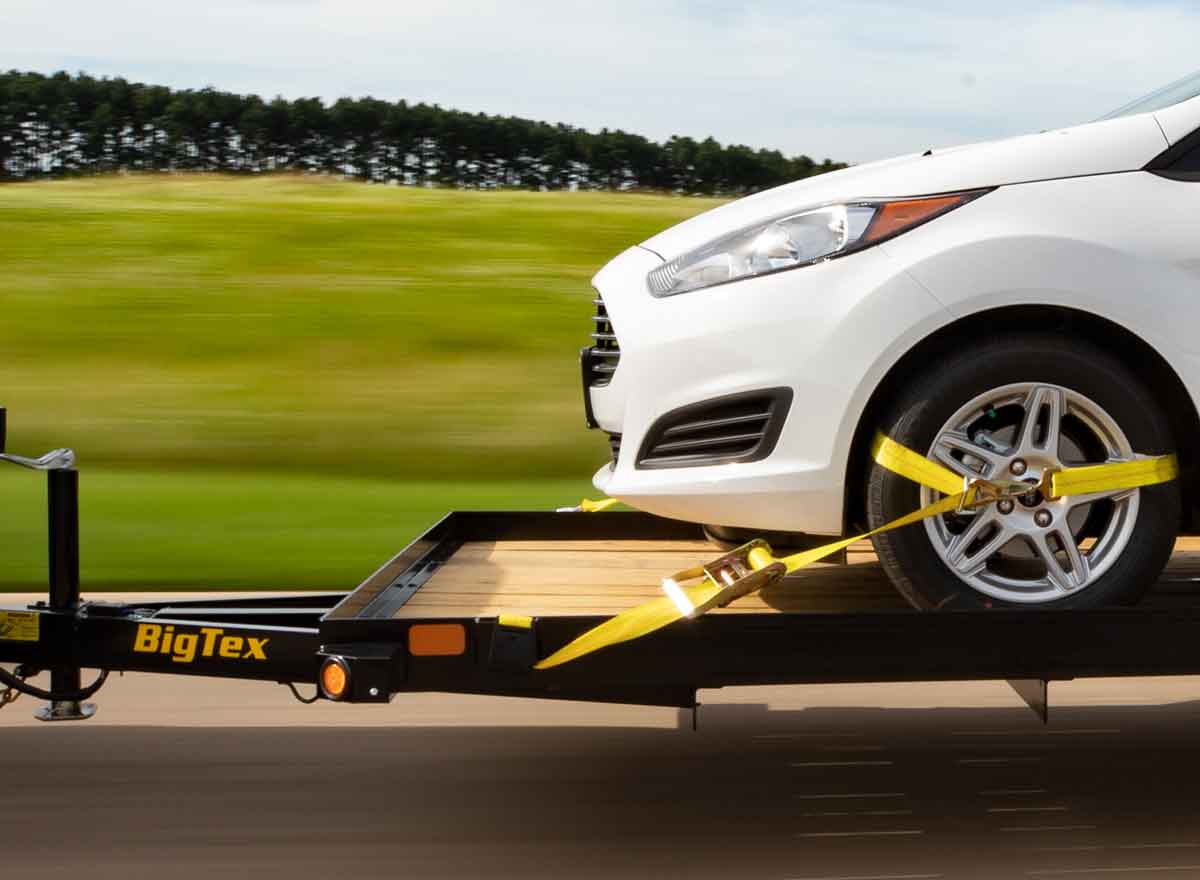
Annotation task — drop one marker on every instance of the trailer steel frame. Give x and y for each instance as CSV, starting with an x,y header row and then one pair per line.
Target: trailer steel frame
x,y
287,639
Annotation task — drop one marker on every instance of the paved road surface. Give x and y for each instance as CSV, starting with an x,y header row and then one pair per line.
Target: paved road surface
x,y
186,778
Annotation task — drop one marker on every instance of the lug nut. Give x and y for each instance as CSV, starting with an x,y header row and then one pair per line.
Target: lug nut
x,y
1017,466
1005,505
1043,518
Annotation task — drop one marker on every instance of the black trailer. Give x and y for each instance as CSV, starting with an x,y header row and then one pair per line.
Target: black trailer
x,y
472,604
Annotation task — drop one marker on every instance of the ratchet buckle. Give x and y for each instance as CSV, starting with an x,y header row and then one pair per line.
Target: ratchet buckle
x,y
734,573
979,492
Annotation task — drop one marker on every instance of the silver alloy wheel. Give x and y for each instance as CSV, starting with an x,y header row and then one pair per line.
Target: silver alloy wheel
x,y
1033,550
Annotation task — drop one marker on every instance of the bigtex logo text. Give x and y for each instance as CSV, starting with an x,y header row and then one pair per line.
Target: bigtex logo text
x,y
184,647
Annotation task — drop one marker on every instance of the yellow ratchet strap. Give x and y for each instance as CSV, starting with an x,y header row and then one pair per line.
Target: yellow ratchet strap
x,y
755,566
898,458
1113,477
693,600
587,505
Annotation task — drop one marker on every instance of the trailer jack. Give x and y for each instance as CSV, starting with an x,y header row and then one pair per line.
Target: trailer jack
x,y
65,698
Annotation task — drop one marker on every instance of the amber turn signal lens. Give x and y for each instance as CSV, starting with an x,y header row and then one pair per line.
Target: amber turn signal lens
x,y
335,678
895,217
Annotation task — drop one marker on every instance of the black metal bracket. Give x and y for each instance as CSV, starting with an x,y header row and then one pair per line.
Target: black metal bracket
x,y
1036,694
514,648
62,489
375,669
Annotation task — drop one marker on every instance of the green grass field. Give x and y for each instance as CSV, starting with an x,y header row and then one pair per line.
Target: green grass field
x,y
276,382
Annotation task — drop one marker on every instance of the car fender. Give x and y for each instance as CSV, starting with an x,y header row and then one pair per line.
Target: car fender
x,y
1115,246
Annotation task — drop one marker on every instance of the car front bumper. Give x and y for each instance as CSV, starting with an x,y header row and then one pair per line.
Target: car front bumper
x,y
829,332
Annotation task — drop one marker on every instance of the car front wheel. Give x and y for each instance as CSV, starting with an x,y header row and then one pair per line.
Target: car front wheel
x,y
1011,410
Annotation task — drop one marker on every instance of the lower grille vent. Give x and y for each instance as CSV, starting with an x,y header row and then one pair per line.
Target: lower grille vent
x,y
738,428
606,351
614,443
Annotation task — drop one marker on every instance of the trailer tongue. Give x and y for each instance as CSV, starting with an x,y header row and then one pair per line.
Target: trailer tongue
x,y
473,604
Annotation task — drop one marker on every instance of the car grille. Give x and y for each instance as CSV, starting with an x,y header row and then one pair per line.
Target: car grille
x,y
606,352
741,427
614,443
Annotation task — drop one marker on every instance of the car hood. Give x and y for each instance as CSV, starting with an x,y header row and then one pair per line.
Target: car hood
x,y
1124,144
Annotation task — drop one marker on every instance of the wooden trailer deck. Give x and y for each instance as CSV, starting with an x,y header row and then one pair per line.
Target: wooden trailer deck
x,y
589,577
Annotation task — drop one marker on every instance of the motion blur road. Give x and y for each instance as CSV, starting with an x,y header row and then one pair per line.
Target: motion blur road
x,y
196,778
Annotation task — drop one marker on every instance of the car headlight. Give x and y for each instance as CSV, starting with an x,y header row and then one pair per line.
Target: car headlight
x,y
798,239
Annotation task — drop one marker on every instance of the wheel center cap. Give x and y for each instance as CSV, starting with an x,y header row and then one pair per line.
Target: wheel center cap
x,y
1031,499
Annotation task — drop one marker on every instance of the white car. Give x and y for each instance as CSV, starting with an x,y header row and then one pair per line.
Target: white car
x,y
1005,308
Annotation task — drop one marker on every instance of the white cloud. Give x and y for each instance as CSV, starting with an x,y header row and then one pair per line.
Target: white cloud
x,y
856,80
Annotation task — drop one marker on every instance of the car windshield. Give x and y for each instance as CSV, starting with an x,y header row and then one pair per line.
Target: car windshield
x,y
1180,90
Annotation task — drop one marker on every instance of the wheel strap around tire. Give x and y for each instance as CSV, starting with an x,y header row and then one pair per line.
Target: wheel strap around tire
x,y
754,566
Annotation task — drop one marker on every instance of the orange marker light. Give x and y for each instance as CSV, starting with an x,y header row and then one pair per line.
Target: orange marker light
x,y
894,217
335,678
437,639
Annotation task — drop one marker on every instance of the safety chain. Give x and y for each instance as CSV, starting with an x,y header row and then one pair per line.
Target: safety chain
x,y
9,695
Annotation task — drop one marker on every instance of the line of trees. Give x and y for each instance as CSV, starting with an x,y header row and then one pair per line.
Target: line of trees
x,y
61,125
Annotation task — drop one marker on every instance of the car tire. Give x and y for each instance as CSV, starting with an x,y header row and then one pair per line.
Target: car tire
x,y
1100,403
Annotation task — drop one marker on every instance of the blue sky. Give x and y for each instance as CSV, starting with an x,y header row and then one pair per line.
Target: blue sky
x,y
854,80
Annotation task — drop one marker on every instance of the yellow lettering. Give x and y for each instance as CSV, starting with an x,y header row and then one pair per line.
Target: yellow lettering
x,y
146,640
210,640
231,647
185,648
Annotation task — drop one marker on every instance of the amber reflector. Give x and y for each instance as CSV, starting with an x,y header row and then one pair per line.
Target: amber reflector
x,y
895,217
334,678
437,639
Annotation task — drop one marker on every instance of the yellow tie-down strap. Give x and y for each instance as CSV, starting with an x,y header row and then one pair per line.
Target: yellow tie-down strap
x,y
718,584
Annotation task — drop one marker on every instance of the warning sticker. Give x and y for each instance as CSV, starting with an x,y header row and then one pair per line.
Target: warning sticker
x,y
18,626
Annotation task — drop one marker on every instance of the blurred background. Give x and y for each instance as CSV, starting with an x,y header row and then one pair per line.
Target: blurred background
x,y
278,381
295,278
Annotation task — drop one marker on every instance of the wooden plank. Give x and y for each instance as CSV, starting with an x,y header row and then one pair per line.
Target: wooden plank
x,y
604,577
554,582
791,597
590,546
607,561
535,609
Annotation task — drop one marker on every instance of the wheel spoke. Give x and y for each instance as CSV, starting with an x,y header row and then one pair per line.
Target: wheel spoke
x,y
956,551
956,441
1051,401
1064,578
1114,495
